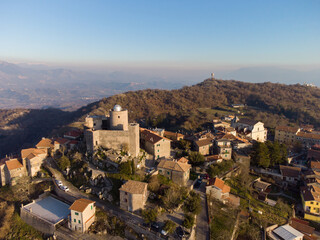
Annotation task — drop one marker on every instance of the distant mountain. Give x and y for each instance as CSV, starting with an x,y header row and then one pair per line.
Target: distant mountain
x,y
272,74
37,86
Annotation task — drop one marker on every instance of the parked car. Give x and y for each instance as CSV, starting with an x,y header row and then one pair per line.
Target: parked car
x,y
59,183
164,232
155,227
197,183
65,188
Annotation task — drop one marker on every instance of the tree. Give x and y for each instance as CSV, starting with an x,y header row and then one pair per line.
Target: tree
x,y
169,226
196,158
260,155
126,168
193,203
149,215
183,144
188,221
215,170
173,197
63,163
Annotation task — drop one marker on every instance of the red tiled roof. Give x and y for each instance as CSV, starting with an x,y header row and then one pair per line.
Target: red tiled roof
x,y
26,152
80,205
302,226
45,143
62,140
13,164
217,182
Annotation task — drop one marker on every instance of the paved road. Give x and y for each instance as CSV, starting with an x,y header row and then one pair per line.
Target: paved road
x,y
130,219
202,228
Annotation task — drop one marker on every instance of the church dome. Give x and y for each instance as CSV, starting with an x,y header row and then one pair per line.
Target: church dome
x,y
117,108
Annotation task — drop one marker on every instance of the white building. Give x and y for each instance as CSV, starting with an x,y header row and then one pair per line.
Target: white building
x,y
250,128
82,215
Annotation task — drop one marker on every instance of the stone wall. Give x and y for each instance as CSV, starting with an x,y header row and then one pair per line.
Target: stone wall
x,y
38,223
114,139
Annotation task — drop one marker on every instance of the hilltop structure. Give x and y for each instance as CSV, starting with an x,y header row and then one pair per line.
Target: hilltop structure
x,y
113,132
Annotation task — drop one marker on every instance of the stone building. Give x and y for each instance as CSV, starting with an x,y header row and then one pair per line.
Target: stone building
x,y
113,132
82,215
10,171
204,146
133,195
286,134
157,146
177,171
32,159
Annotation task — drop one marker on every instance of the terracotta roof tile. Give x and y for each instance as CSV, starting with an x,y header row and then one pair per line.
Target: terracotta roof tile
x,y
173,165
302,226
150,136
315,165
217,182
287,129
289,171
204,142
45,143
134,187
13,164
26,152
308,135
80,205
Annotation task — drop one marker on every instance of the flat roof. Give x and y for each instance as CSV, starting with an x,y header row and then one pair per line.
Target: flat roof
x,y
50,209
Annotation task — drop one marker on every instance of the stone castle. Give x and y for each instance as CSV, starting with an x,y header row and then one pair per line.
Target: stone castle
x,y
113,132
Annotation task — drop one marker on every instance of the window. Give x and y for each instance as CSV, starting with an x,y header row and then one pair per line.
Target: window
x,y
311,203
160,170
74,220
76,213
91,207
158,150
118,116
168,173
126,200
78,221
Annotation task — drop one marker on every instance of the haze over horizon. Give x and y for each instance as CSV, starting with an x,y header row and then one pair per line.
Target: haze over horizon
x,y
168,38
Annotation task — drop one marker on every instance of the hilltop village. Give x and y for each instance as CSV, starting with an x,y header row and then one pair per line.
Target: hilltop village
x,y
112,178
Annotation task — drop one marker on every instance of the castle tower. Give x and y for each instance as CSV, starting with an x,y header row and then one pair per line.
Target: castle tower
x,y
118,118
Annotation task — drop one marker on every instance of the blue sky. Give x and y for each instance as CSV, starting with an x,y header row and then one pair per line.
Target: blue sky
x,y
167,33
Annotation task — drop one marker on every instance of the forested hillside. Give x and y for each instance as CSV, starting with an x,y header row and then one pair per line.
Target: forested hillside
x,y
271,103
187,108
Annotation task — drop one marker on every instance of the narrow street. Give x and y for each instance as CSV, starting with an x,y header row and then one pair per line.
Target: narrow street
x,y
202,228
132,220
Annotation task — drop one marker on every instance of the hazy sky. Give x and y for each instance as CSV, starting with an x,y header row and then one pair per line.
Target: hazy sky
x,y
166,33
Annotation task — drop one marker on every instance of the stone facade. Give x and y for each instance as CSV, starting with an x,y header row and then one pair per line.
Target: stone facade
x,y
286,134
154,144
133,195
32,159
113,132
178,172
